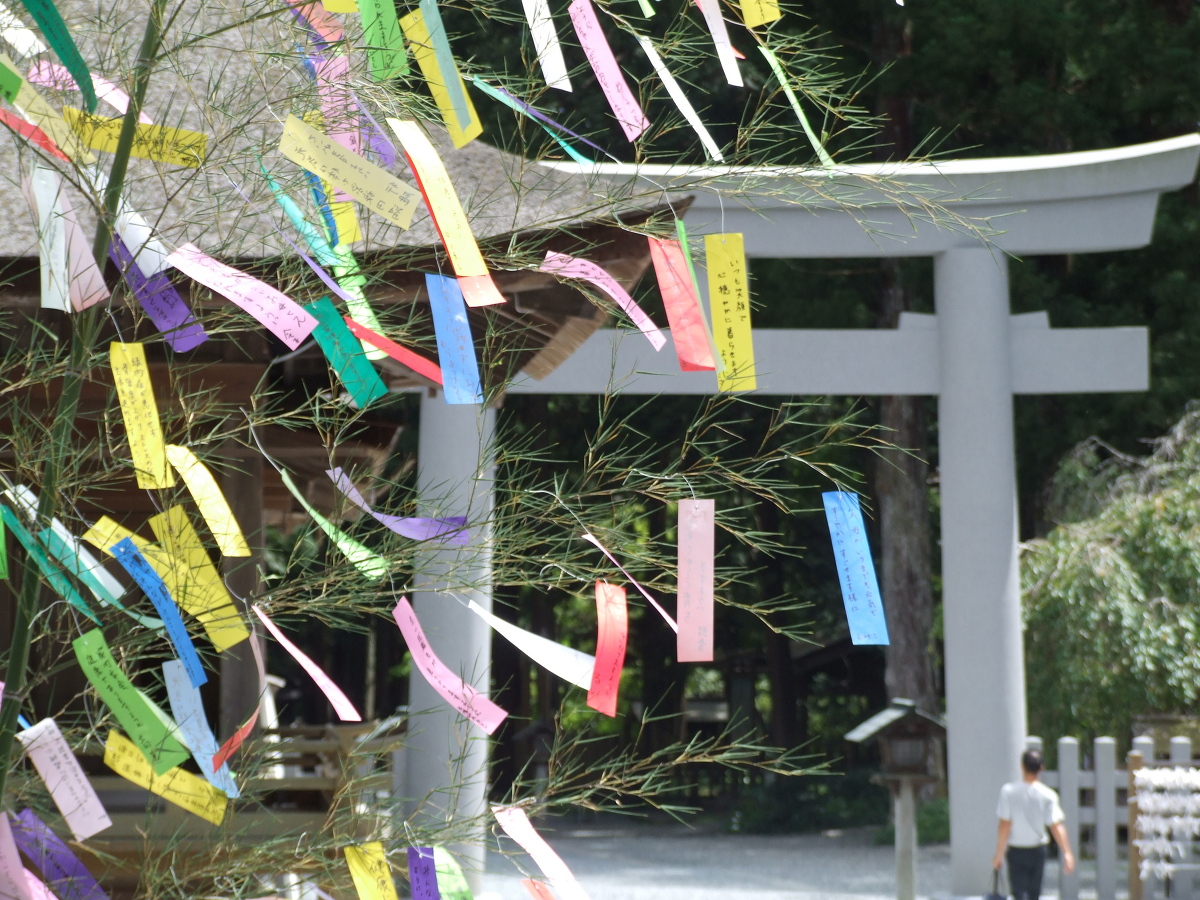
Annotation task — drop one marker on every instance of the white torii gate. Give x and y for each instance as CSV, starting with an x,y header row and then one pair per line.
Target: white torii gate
x,y
973,355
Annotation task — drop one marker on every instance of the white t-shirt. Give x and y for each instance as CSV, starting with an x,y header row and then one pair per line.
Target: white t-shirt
x,y
1032,808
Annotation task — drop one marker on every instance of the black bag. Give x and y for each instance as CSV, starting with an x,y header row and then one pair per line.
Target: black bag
x,y
995,894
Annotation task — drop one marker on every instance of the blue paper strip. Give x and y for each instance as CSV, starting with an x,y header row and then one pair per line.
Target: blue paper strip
x,y
152,586
422,874
856,570
64,874
456,350
61,584
187,709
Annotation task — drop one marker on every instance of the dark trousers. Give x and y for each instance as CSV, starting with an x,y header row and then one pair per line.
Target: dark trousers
x,y
1025,867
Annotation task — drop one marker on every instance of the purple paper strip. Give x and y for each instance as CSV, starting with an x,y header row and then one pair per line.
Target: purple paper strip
x,y
160,300
452,529
61,869
542,117
385,149
422,874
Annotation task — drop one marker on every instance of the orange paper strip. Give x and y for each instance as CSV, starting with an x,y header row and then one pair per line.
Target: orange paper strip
x,y
230,746
612,632
695,609
682,305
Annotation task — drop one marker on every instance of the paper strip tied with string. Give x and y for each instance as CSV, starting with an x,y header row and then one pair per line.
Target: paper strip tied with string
x,y
612,634
450,529
139,411
338,700
187,791
427,36
448,215
715,21
564,266
517,826
592,539
370,872
856,569
680,99
688,330
729,297
70,278
422,874
696,535
600,56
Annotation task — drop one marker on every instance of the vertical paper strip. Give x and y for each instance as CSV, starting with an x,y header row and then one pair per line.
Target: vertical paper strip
x,y
451,882
48,19
600,56
61,868
545,41
385,45
185,790
160,300
538,890
856,569
339,701
236,739
456,350
681,101
188,709
370,870
68,786
729,298
44,190
345,355
422,874
338,107
696,532
418,32
759,12
565,266
13,884
470,703
517,826
139,411
682,306
85,280
211,502
440,41
720,35
612,633
448,215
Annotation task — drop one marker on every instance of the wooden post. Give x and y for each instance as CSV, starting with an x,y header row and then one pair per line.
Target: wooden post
x,y
906,840
1133,762
1105,757
1068,791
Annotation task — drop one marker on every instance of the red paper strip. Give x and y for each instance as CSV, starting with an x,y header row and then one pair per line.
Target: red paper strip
x,y
32,133
230,746
695,608
612,632
418,364
538,889
592,539
682,305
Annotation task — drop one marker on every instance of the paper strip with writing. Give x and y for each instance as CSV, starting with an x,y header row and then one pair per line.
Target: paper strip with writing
x,y
385,44
599,54
856,569
697,527
48,19
68,786
720,35
545,41
58,581
729,298
422,874
61,868
160,143
592,539
114,688
759,12
161,301
441,84
345,355
211,502
451,881
456,349
567,663
447,214
272,308
20,35
13,883
403,355
682,306
681,101
339,701
368,562
139,411
565,266
377,190
451,529
188,709
187,791
781,77
440,42
370,871
470,703
236,739
517,826
612,633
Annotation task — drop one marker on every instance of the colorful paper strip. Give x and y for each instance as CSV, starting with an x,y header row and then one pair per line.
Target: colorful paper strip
x,y
48,19
13,883
385,45
443,85
57,580
422,874
592,539
341,703
600,56
569,267
856,569
236,740
569,664
161,301
680,99
612,633
729,298
781,77
368,562
456,350
61,868
370,871
211,502
517,826
185,790
139,411
345,355
682,306
188,709
545,40
697,538
720,35
418,364
64,778
160,143
452,529
759,12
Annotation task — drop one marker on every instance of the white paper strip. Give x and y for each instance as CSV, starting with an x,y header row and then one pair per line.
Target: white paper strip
x,y
18,34
45,187
720,36
147,251
188,710
681,101
545,40
570,665
69,788
517,826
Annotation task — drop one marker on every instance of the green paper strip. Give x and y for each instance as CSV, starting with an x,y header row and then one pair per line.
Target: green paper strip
x,y
385,44
508,101
351,280
58,581
822,154
345,354
647,9
3,551
55,31
452,883
681,231
451,80
138,720
366,561
167,722
10,82
66,555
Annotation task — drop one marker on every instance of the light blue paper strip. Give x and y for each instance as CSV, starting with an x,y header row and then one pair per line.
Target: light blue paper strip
x,y
61,584
523,108
152,586
456,350
316,241
77,566
188,711
856,570
445,60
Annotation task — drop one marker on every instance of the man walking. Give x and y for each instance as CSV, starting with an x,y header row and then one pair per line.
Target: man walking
x,y
1026,809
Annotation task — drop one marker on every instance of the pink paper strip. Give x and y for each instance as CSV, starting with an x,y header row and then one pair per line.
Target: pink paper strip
x,y
340,702
13,883
612,633
537,889
682,305
338,107
53,75
85,281
591,37
591,538
518,827
274,309
565,266
38,888
695,606
324,26
473,705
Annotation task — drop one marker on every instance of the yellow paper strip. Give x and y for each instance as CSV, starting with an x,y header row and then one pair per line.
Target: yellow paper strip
x,y
759,12
417,33
175,146
376,189
140,412
185,790
210,500
729,297
346,221
370,870
36,111
340,6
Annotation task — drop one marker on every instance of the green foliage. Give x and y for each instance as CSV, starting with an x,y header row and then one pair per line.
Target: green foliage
x,y
812,803
933,824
